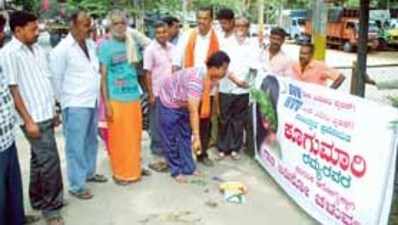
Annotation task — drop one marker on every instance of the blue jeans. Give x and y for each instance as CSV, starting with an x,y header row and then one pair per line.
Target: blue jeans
x,y
11,197
81,145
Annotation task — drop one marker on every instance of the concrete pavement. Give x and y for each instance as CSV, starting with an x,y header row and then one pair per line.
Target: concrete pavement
x,y
159,200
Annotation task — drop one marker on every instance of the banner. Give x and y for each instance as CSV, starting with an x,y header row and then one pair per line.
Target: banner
x,y
333,153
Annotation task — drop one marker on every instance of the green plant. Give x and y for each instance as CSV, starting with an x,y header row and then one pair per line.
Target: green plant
x,y
263,100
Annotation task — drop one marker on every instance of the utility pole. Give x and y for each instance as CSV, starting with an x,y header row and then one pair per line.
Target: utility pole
x,y
260,17
362,48
185,14
319,24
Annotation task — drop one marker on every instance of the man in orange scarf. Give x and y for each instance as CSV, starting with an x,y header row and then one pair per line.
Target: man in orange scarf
x,y
194,52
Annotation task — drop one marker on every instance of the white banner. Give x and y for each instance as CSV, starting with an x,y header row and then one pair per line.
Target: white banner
x,y
333,153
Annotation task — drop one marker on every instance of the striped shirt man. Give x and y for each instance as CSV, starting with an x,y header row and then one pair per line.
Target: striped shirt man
x,y
28,69
186,83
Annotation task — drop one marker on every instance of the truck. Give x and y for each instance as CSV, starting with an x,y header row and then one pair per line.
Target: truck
x,y
293,22
391,34
381,17
343,29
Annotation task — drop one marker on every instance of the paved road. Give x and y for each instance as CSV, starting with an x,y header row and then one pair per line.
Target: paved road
x,y
158,200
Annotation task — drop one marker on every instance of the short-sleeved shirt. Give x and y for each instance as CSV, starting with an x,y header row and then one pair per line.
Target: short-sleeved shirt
x,y
121,80
7,115
244,55
315,72
279,64
181,86
158,60
27,68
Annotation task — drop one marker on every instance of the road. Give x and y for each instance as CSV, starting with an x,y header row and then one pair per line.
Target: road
x,y
158,200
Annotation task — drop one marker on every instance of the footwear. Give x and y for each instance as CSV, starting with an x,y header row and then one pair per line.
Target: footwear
x,y
159,166
146,172
207,162
29,219
121,182
97,178
82,195
235,156
58,220
221,156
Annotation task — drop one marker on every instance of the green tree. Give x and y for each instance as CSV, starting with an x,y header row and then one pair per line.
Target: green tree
x,y
96,7
31,5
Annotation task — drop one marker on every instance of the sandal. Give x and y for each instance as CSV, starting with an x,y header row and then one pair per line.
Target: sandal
x,y
55,221
29,219
121,182
235,156
97,178
82,195
160,167
221,156
146,172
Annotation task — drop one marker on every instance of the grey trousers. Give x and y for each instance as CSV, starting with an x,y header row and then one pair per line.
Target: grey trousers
x,y
45,187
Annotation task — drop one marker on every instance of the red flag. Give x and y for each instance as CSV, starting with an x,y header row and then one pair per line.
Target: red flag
x,y
45,5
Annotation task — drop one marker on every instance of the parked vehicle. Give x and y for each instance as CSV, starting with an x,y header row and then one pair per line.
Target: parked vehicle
x,y
394,23
392,36
343,29
293,22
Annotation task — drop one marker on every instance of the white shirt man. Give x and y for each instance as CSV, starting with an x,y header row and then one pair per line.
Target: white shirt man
x,y
76,77
77,81
244,56
234,100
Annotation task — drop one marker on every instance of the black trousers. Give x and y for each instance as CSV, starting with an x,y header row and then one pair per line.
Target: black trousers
x,y
205,132
233,119
250,139
45,187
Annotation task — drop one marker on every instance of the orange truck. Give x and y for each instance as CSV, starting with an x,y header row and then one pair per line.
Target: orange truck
x,y
343,29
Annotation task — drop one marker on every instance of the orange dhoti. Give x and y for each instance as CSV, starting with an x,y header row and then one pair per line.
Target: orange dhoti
x,y
125,140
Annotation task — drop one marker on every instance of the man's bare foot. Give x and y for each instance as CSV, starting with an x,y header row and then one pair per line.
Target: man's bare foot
x,y
181,179
197,174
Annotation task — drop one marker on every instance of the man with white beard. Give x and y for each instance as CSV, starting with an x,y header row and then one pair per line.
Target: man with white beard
x,y
234,93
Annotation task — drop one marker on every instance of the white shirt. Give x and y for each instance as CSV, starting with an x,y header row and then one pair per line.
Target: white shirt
x,y
243,57
201,49
279,64
76,78
224,40
28,69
